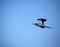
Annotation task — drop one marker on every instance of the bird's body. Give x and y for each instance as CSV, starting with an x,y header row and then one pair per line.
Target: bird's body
x,y
41,26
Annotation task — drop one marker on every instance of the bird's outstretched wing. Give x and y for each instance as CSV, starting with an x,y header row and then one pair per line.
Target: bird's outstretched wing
x,y
47,27
42,20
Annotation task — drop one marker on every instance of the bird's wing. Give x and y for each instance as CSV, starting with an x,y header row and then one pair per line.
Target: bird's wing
x,y
47,26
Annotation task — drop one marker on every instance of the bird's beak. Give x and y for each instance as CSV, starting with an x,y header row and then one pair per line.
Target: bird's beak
x,y
33,23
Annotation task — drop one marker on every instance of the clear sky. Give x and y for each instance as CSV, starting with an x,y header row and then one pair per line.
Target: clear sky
x,y
17,17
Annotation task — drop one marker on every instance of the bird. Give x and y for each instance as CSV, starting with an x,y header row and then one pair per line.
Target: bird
x,y
41,25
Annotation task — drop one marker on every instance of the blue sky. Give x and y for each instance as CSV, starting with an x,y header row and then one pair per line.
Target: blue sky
x,y
17,17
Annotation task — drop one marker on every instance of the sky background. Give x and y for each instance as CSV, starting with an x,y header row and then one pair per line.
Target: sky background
x,y
17,30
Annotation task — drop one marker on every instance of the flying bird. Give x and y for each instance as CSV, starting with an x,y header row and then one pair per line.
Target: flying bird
x,y
41,20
